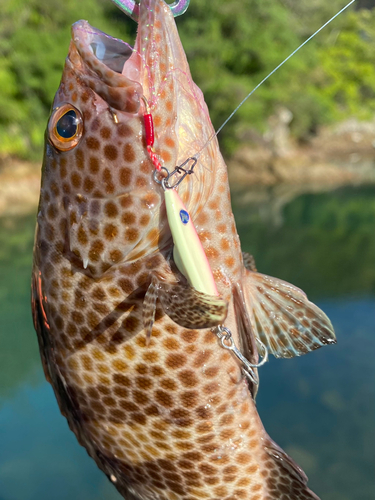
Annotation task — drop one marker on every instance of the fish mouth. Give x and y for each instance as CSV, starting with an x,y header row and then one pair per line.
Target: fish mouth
x,y
100,61
112,52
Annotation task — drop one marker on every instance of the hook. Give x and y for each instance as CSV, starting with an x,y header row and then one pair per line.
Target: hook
x,y
131,8
178,170
226,339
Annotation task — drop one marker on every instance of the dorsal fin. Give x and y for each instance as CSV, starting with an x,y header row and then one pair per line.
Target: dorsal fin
x,y
249,261
283,318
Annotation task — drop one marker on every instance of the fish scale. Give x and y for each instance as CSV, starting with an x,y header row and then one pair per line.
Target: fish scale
x,y
169,417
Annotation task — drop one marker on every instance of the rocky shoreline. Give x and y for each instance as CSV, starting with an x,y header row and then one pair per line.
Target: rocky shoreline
x,y
341,155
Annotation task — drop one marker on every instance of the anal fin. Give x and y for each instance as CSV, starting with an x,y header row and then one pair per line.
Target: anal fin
x,y
289,481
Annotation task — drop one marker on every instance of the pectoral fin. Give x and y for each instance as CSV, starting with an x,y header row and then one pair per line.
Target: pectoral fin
x,y
283,319
190,308
184,305
149,307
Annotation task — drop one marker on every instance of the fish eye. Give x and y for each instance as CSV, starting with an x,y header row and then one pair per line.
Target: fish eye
x,y
65,127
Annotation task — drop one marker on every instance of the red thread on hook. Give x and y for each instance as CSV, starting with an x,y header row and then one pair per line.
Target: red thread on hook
x,y
155,160
150,136
149,129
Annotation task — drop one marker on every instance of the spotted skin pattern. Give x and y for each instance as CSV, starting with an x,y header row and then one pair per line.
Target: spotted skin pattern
x,y
169,417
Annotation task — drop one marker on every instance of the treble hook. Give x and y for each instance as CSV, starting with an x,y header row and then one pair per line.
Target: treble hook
x,y
131,8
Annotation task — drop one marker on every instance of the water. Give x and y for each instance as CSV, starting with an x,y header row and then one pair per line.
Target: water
x,y
320,408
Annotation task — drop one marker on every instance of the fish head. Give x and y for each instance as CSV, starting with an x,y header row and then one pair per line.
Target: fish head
x,y
100,204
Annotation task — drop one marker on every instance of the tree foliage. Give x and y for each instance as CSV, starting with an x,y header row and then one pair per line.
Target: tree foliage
x,y
231,45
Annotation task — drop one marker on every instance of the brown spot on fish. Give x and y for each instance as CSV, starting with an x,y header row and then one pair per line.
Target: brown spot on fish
x,y
92,143
131,235
110,152
80,159
229,261
189,336
141,182
202,358
96,249
128,154
124,130
94,165
163,398
105,132
121,380
181,417
76,180
144,220
169,142
171,344
166,155
187,378
175,361
88,184
157,120
128,218
111,209
125,176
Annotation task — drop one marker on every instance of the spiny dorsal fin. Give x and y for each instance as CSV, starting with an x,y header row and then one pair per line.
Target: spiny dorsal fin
x,y
184,305
283,318
249,261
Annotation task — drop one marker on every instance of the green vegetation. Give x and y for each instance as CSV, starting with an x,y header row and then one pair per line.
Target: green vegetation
x,y
231,46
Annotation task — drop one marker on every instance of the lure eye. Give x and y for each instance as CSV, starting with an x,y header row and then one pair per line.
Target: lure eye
x,y
65,127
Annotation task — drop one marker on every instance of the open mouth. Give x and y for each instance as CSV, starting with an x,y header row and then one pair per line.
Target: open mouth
x,y
110,51
108,66
99,50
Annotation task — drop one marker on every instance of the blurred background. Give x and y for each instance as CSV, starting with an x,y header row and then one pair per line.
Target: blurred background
x,y
301,159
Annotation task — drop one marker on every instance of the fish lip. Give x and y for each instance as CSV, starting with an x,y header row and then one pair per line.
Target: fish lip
x,y
98,61
102,53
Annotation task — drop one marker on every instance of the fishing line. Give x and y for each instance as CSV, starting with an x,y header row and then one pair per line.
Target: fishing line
x,y
268,76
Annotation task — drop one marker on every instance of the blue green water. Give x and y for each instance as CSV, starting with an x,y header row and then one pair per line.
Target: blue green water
x,y
320,408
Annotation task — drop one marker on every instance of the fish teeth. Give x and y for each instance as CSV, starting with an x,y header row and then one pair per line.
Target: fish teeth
x,y
85,262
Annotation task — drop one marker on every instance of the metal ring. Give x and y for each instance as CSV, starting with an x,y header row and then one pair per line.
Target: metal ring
x,y
131,8
160,181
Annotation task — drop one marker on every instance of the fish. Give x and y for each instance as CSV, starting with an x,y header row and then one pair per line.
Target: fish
x,y
132,349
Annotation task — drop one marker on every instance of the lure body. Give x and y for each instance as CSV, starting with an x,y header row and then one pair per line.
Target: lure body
x,y
188,253
170,416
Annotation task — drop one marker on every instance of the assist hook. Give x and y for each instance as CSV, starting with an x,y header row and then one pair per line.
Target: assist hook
x,y
131,8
